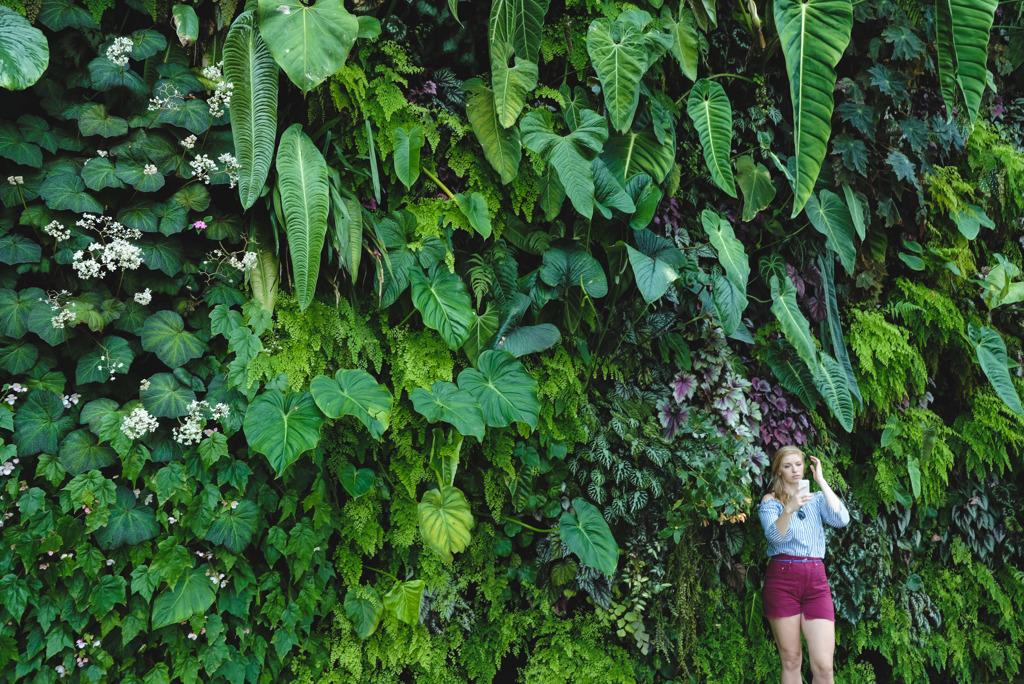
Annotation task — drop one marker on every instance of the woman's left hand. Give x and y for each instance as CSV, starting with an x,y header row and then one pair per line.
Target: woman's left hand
x,y
819,477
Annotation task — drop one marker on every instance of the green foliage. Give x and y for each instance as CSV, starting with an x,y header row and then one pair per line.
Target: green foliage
x,y
888,369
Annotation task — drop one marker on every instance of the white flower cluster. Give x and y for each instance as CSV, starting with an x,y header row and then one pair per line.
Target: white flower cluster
x,y
110,365
8,466
138,423
221,97
189,142
191,431
65,314
167,97
217,578
203,167
70,400
116,254
57,231
149,170
144,297
16,180
11,398
119,50
144,385
246,263
231,167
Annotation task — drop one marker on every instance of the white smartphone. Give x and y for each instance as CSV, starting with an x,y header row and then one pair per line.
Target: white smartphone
x,y
805,487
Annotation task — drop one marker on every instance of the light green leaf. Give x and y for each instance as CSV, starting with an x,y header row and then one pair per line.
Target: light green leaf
x,y
552,193
794,326
310,41
814,35
263,278
685,40
991,353
511,84
505,391
962,30
305,200
442,299
249,66
969,221
408,143
354,393
444,401
831,218
584,530
281,427
186,25
164,334
481,330
363,611
24,52
356,482
830,381
403,601
192,593
756,184
654,263
130,522
571,154
619,56
501,146
572,266
445,520
730,250
474,208
518,23
709,108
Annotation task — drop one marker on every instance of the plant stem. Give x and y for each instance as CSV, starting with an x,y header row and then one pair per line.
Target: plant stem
x,y
438,183
382,572
529,527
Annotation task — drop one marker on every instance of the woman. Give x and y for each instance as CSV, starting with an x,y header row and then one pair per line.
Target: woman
x,y
796,592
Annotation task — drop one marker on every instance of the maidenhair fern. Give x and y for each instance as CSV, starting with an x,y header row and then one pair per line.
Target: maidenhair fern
x,y
889,370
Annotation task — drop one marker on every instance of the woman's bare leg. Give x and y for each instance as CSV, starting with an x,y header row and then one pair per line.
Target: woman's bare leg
x,y
821,647
787,636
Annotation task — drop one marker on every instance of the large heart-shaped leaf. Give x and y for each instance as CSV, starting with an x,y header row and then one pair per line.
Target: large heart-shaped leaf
x,y
282,427
814,35
619,56
408,142
729,249
130,522
962,29
363,608
831,217
404,599
442,299
571,154
655,261
166,397
445,521
164,334
518,339
505,391
991,352
518,23
98,173
511,84
24,52
830,380
571,266
356,482
113,356
481,330
474,207
685,39
310,40
584,530
40,423
354,393
756,184
711,112
192,593
305,200
641,151
249,66
501,146
444,401
794,325
80,451
234,527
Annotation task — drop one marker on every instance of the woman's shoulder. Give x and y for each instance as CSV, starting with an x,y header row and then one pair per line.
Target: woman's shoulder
x,y
769,498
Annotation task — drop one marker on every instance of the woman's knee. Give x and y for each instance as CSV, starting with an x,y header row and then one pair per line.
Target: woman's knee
x,y
791,659
821,668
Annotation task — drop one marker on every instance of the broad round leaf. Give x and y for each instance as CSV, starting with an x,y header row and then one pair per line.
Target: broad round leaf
x,y
282,427
585,531
354,393
66,191
571,266
234,527
99,173
356,481
445,521
24,52
403,601
40,423
80,451
164,334
504,389
363,611
442,299
655,263
444,401
711,112
114,355
18,249
193,593
130,522
166,397
94,120
15,307
18,357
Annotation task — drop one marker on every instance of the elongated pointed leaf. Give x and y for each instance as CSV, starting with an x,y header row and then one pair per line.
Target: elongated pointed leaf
x,y
282,427
585,531
263,278
518,23
408,143
445,521
250,67
756,184
962,30
504,389
474,207
305,200
814,35
853,203
481,329
24,52
444,401
791,372
831,217
709,108
835,328
830,381
642,152
730,250
310,40
794,325
501,146
609,192
991,352
511,84
685,40
571,154
354,393
192,593
619,56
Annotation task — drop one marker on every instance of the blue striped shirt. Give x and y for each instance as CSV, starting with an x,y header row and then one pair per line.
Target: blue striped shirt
x,y
804,537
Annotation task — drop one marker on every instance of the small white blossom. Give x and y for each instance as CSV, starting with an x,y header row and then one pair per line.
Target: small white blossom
x,y
101,153
189,142
203,166
97,642
149,500
144,297
55,230
138,423
70,400
193,636
61,671
110,561
171,520
234,505
231,167
246,263
149,170
16,180
120,49
144,385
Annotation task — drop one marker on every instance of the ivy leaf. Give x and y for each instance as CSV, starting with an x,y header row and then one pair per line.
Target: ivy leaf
x,y
584,530
40,423
618,54
905,44
364,609
14,147
192,593
114,355
501,145
234,527
130,523
80,452
893,85
831,217
282,427
404,599
446,402
133,174
445,521
711,112
505,391
106,76
859,115
99,173
356,482
570,155
474,208
408,142
756,184
853,151
991,353
354,393
94,120
15,307
164,334
18,357
166,397
444,303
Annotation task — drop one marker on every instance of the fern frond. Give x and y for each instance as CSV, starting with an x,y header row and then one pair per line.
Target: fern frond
x,y
481,277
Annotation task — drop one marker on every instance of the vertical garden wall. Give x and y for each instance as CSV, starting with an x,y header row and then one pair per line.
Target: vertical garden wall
x,y
448,342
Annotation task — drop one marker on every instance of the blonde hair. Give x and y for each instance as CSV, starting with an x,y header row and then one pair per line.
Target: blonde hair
x,y
778,488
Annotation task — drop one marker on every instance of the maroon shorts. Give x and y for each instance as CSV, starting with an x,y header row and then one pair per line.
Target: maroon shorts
x,y
795,585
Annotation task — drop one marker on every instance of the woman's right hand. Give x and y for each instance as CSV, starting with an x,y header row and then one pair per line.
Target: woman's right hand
x,y
797,502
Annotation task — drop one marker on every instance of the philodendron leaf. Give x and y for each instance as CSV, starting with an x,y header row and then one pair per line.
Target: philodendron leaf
x,y
791,372
363,608
309,40
830,380
186,25
831,217
501,146
571,266
130,523
584,530
685,40
571,155
835,328
814,35
962,30
991,353
305,200
619,56
282,427
356,481
192,593
445,521
250,67
505,391
354,393
518,23
474,208
518,339
970,220
756,184
444,401
164,334
442,299
511,84
403,601
234,527
408,142
24,52
709,108
641,151
730,250
481,329
794,326
655,264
